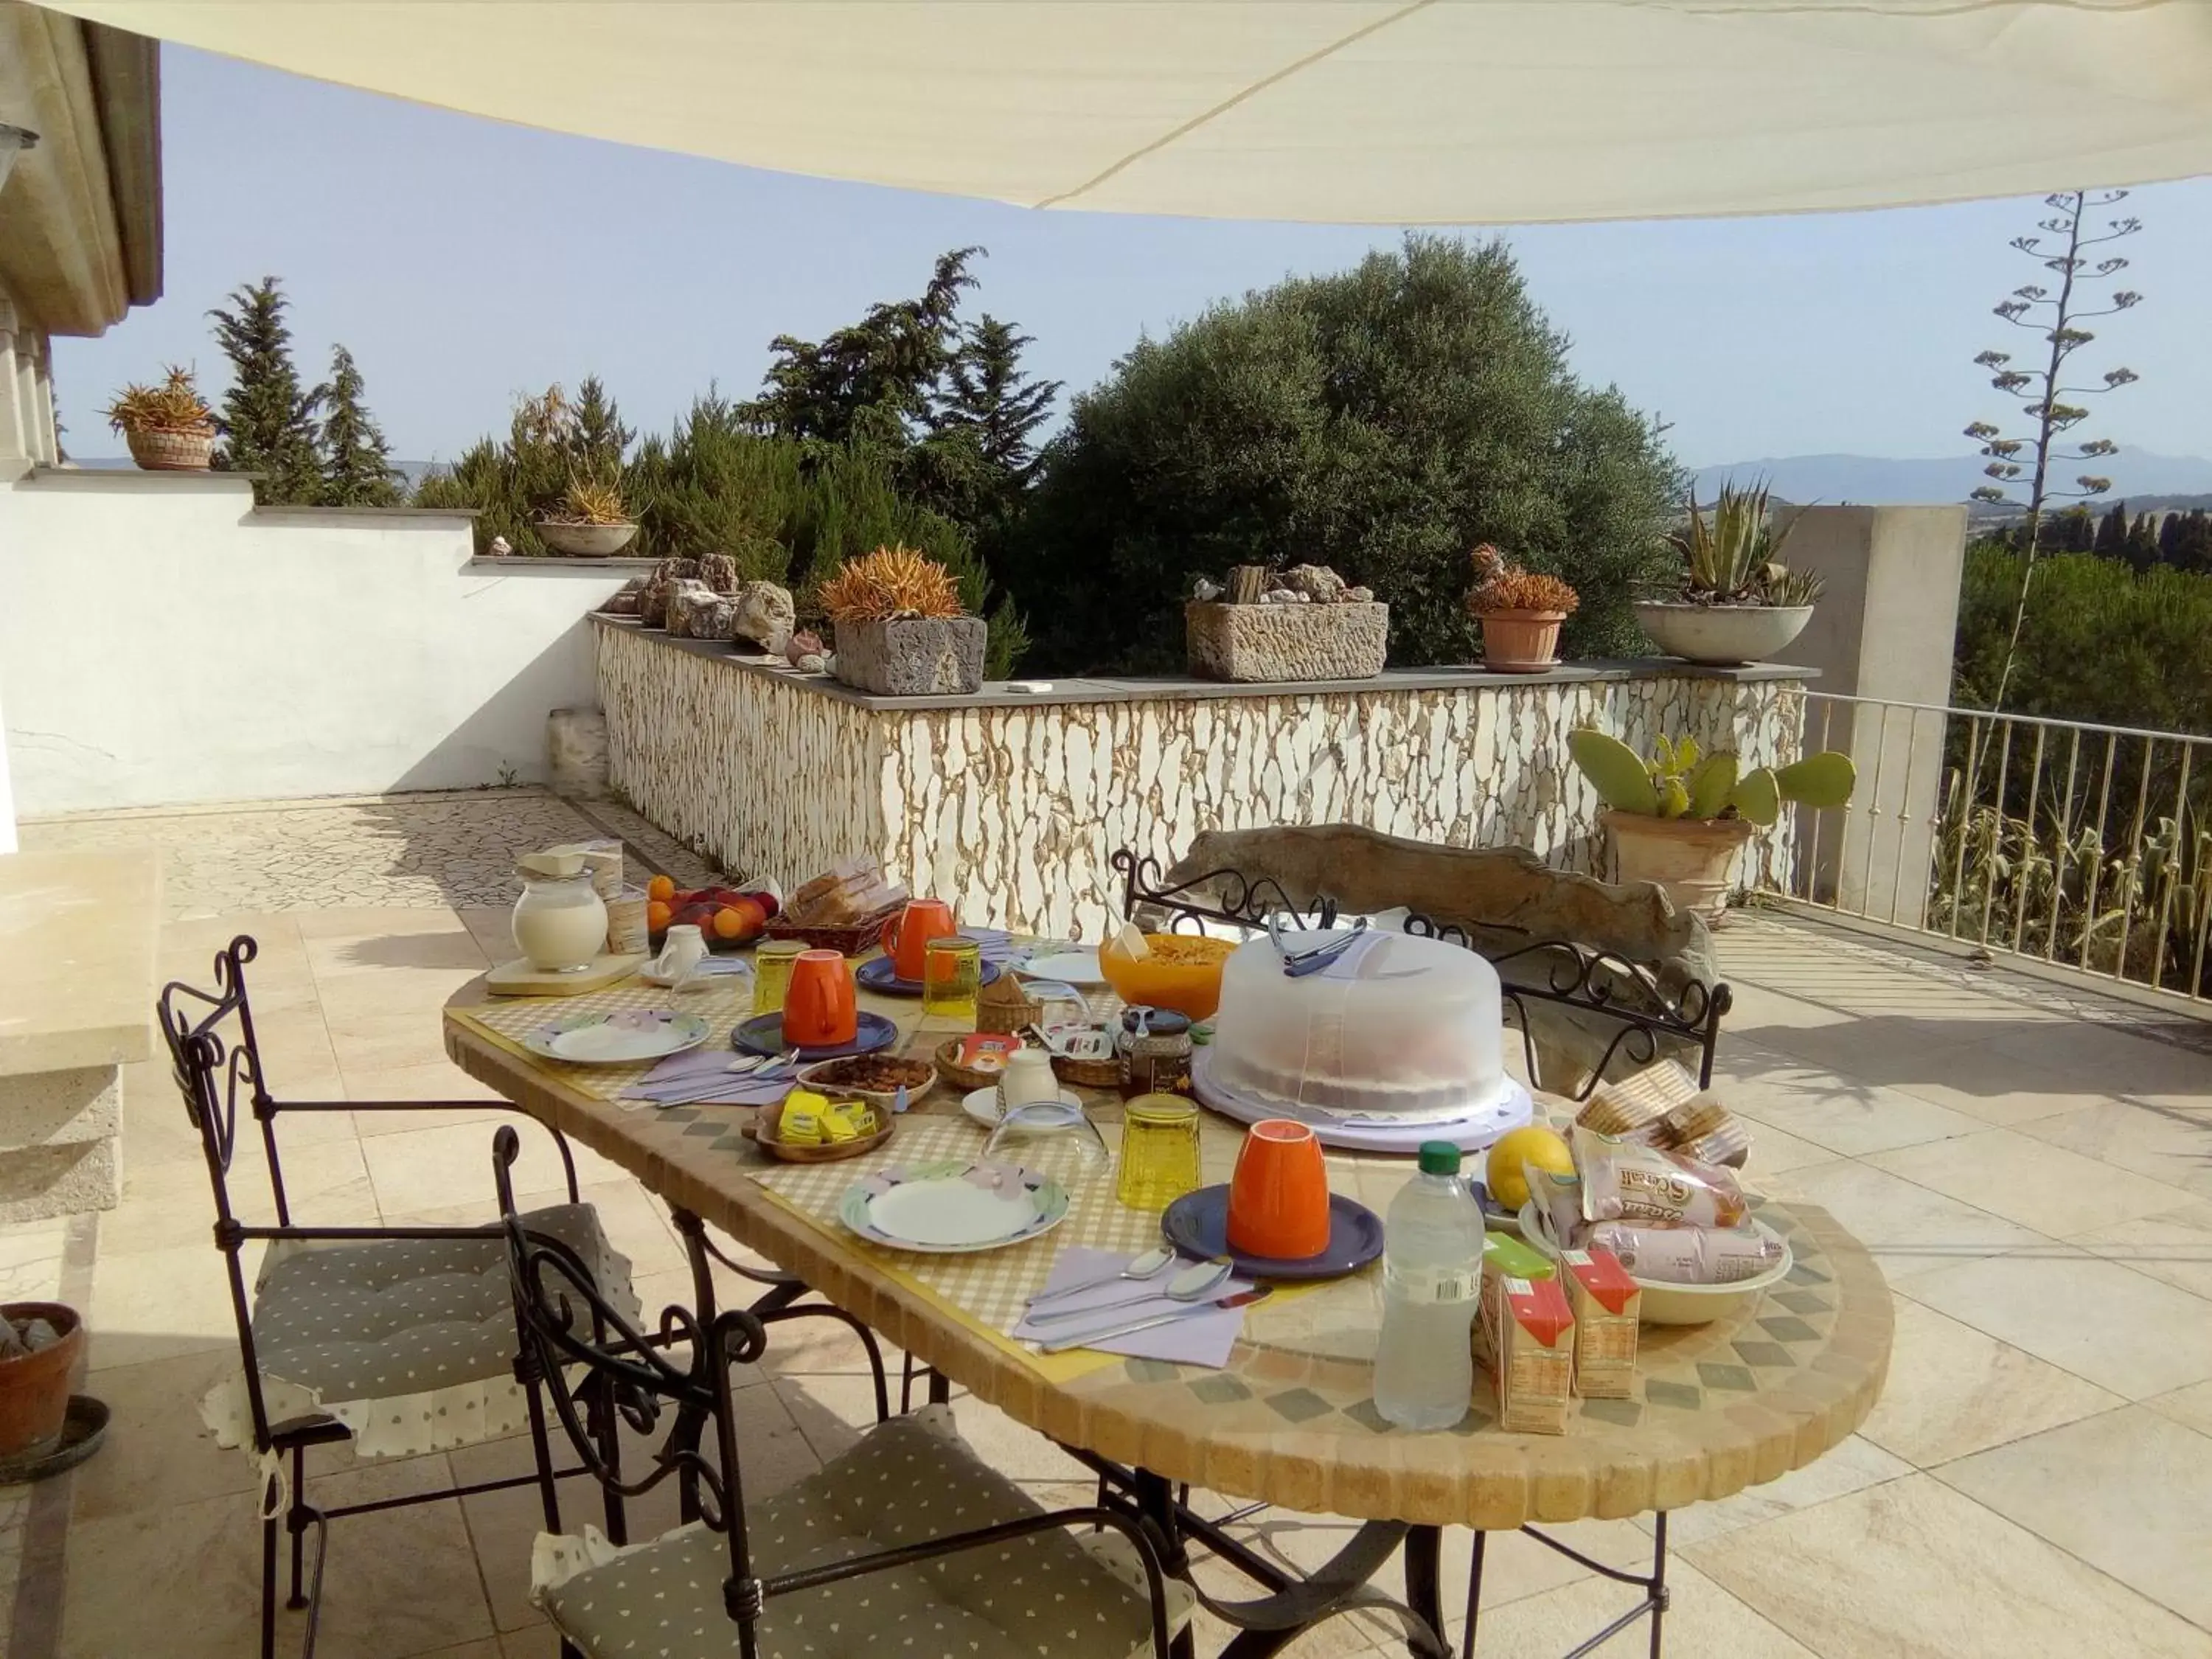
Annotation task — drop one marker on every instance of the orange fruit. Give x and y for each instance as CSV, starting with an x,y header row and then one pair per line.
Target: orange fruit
x,y
729,923
657,913
662,888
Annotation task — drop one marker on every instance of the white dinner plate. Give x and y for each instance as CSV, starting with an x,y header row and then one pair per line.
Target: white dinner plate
x,y
619,1038
953,1206
1069,966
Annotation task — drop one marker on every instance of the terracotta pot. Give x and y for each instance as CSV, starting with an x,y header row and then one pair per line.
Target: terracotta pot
x,y
171,451
34,1390
1692,860
1521,642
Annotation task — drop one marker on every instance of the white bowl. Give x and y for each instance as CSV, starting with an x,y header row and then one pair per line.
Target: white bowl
x,y
1666,1304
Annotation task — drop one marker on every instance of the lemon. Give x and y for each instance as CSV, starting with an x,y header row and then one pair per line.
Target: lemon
x,y
1508,1183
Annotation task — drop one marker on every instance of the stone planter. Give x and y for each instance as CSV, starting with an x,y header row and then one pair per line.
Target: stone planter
x,y
1722,635
1692,860
34,1390
1259,643
1520,641
171,451
912,656
585,541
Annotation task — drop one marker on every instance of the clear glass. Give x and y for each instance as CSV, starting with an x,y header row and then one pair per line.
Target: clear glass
x,y
951,975
772,960
1159,1152
1053,1137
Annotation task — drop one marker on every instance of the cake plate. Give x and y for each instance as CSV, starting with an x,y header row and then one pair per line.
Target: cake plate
x,y
1471,1132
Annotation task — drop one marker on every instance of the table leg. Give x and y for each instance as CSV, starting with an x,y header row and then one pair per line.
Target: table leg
x,y
1155,1501
1473,1593
1659,1597
1424,1579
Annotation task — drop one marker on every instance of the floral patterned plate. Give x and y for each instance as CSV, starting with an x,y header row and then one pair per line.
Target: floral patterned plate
x,y
952,1206
623,1038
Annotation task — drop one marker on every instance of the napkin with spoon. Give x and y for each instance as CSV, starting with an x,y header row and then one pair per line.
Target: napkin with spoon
x,y
1197,1338
701,1076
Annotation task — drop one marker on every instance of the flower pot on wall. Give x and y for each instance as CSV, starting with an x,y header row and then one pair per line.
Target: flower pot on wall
x,y
912,656
1692,860
1722,635
157,450
1521,642
1277,643
585,541
34,1387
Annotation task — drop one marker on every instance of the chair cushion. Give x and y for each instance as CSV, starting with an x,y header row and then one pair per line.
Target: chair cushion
x,y
409,1342
911,1478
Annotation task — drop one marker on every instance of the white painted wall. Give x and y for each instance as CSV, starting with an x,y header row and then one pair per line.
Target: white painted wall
x,y
162,641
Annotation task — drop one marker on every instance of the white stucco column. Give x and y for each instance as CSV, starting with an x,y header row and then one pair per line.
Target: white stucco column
x,y
16,453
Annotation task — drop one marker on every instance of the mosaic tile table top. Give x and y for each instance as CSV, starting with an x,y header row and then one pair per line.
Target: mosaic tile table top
x,y
1292,1419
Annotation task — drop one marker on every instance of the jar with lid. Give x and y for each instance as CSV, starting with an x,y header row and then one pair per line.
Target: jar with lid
x,y
1155,1049
560,922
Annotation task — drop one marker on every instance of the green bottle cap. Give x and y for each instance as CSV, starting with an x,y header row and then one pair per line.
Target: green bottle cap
x,y
1439,1158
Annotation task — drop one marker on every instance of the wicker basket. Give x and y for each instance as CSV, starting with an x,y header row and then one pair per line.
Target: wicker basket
x,y
854,938
1004,1005
157,450
1088,1073
947,1061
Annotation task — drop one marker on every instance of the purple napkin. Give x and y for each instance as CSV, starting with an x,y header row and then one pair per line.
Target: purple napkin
x,y
1202,1339
998,944
703,1075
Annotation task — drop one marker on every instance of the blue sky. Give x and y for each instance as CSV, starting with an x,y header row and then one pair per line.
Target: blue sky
x,y
465,262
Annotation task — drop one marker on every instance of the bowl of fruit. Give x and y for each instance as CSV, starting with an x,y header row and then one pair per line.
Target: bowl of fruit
x,y
727,918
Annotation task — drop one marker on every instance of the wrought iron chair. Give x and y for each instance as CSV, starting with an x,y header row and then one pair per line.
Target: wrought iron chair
x,y
897,1518
400,1338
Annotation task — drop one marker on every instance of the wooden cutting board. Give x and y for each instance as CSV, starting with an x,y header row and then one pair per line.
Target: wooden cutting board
x,y
518,979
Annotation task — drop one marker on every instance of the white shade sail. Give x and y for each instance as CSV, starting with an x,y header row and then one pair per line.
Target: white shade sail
x,y
1457,112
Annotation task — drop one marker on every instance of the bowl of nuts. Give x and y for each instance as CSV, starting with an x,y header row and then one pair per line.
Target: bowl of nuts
x,y
876,1078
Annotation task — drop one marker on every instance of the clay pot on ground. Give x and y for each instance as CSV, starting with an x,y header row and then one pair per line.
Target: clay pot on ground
x,y
1521,642
157,450
585,541
1722,635
34,1387
1692,860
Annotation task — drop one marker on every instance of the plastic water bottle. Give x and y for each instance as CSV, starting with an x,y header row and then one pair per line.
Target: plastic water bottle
x,y
1432,1284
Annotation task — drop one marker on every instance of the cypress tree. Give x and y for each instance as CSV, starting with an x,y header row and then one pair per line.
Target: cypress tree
x,y
356,462
267,422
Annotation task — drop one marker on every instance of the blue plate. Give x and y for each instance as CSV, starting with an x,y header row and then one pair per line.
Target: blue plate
x,y
763,1035
1197,1224
878,973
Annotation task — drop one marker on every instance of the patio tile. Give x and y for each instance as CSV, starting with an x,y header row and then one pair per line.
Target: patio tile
x,y
158,1452
2166,1143
31,1260
1953,1390
1912,1570
2191,1406
2028,1181
2128,1491
173,1205
2121,1330
451,1166
1702,1619
1857,1462
1813,1103
2120,1063
1910,1229
2175,1245
156,1305
1986,1082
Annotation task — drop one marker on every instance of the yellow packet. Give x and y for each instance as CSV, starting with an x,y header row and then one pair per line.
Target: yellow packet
x,y
802,1123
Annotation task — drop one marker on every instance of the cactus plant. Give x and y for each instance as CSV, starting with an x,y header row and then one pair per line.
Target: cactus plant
x,y
1679,782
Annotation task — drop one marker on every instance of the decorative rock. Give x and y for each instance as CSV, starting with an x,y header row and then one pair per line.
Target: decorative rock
x,y
1357,596
576,753
1280,596
814,662
802,645
696,612
913,656
764,614
1279,641
719,572
626,600
1317,582
1203,589
500,548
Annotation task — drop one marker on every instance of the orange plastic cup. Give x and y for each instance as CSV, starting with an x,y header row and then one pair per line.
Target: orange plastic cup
x,y
819,1009
907,935
1278,1199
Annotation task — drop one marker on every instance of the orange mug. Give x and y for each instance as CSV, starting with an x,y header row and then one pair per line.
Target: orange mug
x,y
819,1007
1278,1197
907,935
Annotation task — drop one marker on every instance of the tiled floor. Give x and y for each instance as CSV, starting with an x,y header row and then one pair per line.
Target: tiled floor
x,y
2034,1171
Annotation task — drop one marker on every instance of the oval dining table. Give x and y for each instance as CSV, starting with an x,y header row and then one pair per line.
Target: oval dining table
x,y
1290,1419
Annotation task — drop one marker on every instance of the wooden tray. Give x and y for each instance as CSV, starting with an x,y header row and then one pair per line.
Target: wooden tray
x,y
853,939
766,1121
518,979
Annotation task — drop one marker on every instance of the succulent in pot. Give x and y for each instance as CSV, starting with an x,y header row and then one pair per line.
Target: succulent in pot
x,y
590,521
169,427
1736,601
1521,612
901,630
1679,817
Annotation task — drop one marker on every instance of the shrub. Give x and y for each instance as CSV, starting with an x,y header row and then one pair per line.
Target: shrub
x,y
1379,421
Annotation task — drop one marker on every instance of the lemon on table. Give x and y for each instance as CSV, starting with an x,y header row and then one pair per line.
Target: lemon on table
x,y
1508,1183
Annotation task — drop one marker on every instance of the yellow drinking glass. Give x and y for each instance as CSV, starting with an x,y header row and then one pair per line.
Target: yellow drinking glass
x,y
951,975
772,960
1159,1152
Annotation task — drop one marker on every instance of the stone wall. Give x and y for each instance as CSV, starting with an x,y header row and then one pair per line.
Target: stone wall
x,y
1013,808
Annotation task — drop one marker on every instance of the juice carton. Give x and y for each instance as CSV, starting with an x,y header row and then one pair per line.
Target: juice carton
x,y
1606,1303
1528,1336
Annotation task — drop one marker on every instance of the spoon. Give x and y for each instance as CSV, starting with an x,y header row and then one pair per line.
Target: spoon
x,y
1149,1265
1195,1282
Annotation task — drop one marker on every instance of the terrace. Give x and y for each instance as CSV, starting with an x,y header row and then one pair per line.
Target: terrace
x,y
2031,1163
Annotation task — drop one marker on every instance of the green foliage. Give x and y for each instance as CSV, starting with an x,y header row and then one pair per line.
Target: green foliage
x,y
267,421
356,462
1677,781
1382,421
1729,554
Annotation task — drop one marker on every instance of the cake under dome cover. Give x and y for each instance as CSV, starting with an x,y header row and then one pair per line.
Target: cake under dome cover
x,y
1396,1026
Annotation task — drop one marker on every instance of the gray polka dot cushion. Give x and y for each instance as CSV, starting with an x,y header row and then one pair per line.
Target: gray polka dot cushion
x,y
409,1342
912,1478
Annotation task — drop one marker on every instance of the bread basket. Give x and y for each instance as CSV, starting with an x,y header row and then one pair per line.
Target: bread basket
x,y
1666,1304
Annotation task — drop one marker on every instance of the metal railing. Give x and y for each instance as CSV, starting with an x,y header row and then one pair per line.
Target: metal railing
x,y
2081,845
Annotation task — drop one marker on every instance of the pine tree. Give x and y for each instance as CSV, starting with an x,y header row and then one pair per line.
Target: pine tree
x,y
991,397
356,462
267,422
2112,541
595,442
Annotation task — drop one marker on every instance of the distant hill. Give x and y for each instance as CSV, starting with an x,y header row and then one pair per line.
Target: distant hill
x,y
1873,480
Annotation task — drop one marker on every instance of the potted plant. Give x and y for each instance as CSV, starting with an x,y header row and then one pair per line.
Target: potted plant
x,y
40,1343
901,629
1679,819
590,523
1520,611
1736,602
1272,627
169,427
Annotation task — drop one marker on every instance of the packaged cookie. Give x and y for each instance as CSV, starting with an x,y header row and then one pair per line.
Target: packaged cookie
x,y
1687,1256
1626,1180
1703,1129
